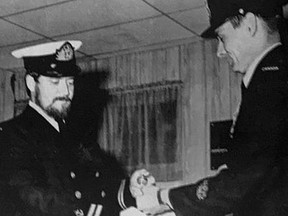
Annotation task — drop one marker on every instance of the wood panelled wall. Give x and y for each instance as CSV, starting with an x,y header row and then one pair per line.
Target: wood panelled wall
x,y
210,90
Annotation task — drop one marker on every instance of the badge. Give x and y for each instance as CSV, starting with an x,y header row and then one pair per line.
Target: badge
x,y
65,53
202,190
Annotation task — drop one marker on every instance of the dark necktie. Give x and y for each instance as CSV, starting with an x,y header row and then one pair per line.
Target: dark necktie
x,y
64,140
243,88
62,126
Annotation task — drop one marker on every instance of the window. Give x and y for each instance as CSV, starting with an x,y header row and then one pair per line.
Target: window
x,y
141,125
19,106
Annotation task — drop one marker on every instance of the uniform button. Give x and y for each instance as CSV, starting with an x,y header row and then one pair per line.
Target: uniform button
x,y
72,174
97,174
103,194
78,194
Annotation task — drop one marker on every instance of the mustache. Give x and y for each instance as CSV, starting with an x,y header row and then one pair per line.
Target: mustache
x,y
66,99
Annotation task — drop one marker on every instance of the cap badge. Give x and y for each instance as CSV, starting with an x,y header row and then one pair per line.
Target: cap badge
x,y
241,11
65,53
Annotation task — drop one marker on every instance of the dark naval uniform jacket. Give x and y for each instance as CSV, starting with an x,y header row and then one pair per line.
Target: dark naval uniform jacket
x,y
40,174
255,182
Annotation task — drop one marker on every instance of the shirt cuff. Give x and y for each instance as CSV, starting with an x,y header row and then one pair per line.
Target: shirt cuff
x,y
120,195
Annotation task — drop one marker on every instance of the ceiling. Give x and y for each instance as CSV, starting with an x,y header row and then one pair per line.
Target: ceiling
x,y
104,26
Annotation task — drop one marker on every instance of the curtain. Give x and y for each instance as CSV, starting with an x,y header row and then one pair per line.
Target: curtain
x,y
142,127
6,96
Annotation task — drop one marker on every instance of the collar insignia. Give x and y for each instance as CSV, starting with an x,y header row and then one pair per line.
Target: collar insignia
x,y
271,68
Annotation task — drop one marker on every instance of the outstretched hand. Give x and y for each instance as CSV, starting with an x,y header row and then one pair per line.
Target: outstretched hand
x,y
140,179
148,199
158,210
143,188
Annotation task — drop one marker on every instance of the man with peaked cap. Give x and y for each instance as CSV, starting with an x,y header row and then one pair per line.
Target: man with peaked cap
x,y
255,181
42,170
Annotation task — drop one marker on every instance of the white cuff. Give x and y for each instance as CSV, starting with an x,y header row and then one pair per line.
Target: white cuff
x,y
120,195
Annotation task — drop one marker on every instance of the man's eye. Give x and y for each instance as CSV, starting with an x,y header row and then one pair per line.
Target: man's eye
x,y
70,82
220,39
55,81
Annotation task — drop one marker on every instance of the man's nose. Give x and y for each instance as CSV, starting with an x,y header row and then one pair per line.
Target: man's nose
x,y
63,88
221,52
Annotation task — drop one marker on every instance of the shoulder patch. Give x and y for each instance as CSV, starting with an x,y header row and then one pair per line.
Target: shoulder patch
x,y
202,190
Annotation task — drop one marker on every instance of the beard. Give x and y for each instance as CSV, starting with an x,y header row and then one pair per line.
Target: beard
x,y
56,113
52,110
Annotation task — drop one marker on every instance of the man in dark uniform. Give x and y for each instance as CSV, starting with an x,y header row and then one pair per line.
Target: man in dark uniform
x,y
43,171
255,181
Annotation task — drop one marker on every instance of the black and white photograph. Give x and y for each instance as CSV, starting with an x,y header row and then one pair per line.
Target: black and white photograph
x,y
144,108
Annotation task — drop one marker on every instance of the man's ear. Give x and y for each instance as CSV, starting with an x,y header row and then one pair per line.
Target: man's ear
x,y
251,23
30,82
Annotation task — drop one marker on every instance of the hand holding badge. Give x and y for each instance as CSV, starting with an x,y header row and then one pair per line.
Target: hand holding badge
x,y
143,188
139,180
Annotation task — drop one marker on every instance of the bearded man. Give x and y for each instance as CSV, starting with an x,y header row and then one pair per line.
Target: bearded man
x,y
42,170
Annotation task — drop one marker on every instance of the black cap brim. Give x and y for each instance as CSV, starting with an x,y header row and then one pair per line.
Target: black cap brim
x,y
209,33
53,59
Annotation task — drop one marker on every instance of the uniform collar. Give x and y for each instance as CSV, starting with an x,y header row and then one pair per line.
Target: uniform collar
x,y
42,113
251,69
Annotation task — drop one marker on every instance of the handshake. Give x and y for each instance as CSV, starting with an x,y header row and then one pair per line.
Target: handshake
x,y
150,199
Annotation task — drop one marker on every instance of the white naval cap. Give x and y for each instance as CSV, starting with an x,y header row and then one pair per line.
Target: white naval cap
x,y
54,59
